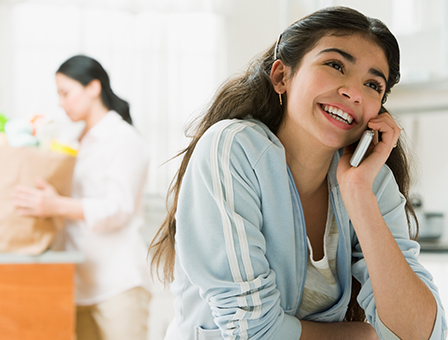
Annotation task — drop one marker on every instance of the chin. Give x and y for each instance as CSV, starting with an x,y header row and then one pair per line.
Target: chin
x,y
335,143
74,119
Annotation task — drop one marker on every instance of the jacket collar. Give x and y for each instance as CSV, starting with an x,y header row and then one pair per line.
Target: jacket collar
x,y
332,171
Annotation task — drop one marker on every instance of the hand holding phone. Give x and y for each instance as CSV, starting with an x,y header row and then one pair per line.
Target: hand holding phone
x,y
362,147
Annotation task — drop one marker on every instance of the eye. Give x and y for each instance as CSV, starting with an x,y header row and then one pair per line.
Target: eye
x,y
375,86
337,65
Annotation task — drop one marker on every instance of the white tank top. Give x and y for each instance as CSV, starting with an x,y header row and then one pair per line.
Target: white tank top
x,y
322,287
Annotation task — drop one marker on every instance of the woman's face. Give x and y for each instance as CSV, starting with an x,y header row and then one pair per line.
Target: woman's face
x,y
74,98
337,89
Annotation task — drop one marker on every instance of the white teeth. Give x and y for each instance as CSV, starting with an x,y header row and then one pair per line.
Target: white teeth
x,y
338,114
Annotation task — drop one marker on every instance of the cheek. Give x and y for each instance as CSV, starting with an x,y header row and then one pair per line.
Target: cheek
x,y
301,89
75,102
373,110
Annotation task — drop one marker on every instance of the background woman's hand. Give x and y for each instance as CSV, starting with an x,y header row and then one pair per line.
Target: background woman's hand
x,y
362,177
38,202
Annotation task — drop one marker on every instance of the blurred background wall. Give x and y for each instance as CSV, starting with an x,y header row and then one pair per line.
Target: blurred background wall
x,y
167,57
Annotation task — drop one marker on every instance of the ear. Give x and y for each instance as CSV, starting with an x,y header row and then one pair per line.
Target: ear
x,y
278,76
94,88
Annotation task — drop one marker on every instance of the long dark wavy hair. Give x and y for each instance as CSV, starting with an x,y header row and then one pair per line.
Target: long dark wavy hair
x,y
252,94
84,69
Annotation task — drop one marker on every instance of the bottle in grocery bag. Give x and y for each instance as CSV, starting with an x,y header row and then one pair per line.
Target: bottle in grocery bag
x,y
3,120
19,133
57,146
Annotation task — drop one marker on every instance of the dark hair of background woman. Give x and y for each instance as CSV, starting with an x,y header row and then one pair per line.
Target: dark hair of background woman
x,y
252,95
84,69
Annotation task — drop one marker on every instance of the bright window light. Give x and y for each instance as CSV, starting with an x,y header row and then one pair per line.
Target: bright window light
x,y
166,63
406,16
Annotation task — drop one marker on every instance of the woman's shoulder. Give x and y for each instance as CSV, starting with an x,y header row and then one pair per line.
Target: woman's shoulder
x,y
245,132
116,137
120,130
245,142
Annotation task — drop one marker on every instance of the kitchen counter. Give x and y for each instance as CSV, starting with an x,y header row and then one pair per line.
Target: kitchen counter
x,y
434,247
37,296
46,257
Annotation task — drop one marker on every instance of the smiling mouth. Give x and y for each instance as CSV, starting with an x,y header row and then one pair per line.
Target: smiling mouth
x,y
337,114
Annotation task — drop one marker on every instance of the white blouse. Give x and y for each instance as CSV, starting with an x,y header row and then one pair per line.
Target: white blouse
x,y
109,178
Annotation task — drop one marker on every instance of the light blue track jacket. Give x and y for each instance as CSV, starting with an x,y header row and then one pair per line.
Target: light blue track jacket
x,y
241,248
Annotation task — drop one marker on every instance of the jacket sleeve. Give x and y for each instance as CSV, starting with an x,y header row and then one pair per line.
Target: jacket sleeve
x,y
391,203
220,242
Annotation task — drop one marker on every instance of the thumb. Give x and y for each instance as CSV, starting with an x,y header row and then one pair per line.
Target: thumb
x,y
41,183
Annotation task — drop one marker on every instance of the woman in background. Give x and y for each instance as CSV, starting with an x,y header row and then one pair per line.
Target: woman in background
x,y
272,231
104,214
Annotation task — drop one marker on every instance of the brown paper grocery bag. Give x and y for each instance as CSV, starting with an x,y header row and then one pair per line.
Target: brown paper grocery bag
x,y
29,235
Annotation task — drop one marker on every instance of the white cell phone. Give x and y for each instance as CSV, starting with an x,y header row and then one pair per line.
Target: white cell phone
x,y
362,147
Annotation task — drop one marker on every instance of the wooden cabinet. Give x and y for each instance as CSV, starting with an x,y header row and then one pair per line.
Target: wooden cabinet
x,y
37,300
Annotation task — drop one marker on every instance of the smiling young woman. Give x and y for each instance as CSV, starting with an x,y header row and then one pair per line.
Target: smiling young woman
x,y
271,233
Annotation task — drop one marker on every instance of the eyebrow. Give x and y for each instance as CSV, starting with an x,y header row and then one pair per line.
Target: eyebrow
x,y
352,60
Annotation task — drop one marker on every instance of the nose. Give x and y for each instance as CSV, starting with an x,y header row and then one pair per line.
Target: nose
x,y
351,91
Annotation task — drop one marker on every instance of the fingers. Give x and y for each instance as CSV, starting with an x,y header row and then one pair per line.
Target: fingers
x,y
25,194
376,137
25,190
26,200
34,202
389,129
23,200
